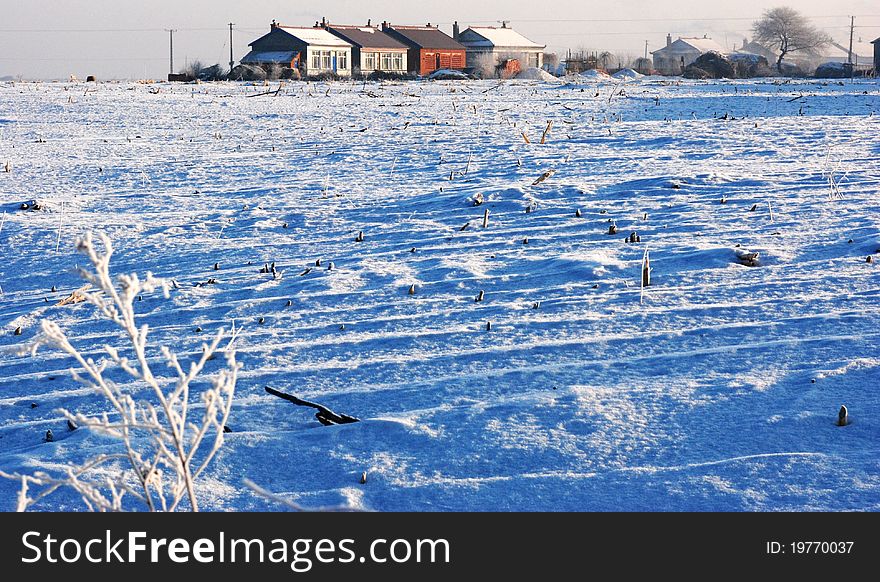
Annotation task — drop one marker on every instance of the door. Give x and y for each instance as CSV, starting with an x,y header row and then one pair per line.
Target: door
x,y
334,62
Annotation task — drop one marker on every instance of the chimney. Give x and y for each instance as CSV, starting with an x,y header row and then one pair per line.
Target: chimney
x,y
668,40
323,22
385,25
274,25
429,25
456,32
503,24
368,21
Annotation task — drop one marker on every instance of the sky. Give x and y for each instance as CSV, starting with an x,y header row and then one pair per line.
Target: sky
x,y
127,39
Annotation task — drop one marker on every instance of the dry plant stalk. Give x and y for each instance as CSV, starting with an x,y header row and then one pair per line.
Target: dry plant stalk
x,y
165,445
546,131
543,177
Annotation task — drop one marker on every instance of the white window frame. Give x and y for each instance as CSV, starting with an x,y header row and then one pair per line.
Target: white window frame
x,y
370,61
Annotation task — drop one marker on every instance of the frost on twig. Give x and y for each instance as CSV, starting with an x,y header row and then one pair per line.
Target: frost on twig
x,y
167,439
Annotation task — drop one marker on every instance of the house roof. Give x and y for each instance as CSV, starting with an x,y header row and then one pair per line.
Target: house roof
x,y
269,57
498,37
426,37
316,36
366,37
862,50
755,48
704,45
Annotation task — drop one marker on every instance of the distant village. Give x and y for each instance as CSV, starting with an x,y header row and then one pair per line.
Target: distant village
x,y
389,50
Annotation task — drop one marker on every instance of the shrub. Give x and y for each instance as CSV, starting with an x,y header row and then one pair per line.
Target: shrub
x,y
164,450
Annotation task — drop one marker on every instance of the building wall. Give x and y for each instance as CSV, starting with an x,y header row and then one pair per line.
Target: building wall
x,y
491,57
429,60
877,58
319,59
370,60
674,62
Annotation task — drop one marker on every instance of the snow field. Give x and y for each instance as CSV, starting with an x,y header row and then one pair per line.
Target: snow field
x,y
718,392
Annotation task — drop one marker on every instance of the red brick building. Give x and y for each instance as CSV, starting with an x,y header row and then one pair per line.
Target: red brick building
x,y
429,48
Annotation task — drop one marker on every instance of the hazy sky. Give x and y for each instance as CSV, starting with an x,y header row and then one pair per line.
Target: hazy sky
x,y
126,38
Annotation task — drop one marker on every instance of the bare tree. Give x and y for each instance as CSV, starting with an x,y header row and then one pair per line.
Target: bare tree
x,y
604,57
786,30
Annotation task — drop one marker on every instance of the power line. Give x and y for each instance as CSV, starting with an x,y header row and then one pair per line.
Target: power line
x,y
630,20
251,28
673,30
86,59
54,30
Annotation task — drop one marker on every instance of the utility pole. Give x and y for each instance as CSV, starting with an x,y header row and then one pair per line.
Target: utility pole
x,y
171,32
646,50
852,25
231,58
849,62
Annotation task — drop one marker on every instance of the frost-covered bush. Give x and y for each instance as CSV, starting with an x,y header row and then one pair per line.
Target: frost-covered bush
x,y
212,73
247,73
167,439
325,76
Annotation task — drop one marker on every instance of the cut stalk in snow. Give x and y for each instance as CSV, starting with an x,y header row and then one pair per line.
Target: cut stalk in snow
x,y
546,131
324,415
60,224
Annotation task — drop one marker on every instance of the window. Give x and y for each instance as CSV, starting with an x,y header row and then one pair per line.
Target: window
x,y
326,61
386,61
316,60
369,61
397,61
342,60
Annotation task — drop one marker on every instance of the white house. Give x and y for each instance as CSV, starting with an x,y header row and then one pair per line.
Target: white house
x,y
494,46
675,56
311,50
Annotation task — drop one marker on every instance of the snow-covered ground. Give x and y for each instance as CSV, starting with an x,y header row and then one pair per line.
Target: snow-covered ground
x,y
718,391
